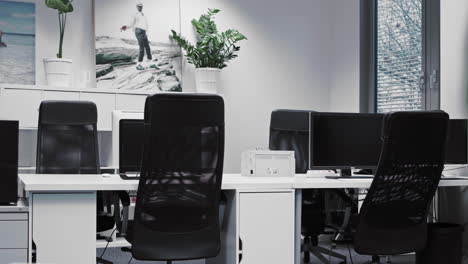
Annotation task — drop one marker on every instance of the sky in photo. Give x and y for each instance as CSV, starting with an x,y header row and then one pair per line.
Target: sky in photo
x,y
17,17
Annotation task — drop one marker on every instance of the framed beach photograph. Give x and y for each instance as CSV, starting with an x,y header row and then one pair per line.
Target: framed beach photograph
x,y
134,50
17,42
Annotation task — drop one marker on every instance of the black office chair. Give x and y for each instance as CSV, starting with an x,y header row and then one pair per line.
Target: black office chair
x,y
393,217
176,212
289,130
67,143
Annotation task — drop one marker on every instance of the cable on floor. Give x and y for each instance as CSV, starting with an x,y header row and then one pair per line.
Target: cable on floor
x,y
110,238
108,242
131,258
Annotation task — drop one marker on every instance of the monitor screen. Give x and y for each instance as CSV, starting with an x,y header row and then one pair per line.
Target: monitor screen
x,y
344,140
456,148
131,140
9,144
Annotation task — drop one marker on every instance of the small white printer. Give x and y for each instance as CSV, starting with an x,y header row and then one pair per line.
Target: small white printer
x,y
268,163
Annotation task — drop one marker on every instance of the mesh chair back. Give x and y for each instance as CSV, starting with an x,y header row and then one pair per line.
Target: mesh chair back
x,y
289,130
176,215
393,216
67,138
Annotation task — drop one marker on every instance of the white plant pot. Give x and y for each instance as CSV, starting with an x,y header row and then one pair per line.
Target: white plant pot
x,y
58,72
207,80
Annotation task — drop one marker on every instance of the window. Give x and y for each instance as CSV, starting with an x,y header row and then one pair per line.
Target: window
x,y
400,55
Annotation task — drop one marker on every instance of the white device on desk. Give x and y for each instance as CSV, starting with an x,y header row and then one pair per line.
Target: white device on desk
x,y
268,163
320,173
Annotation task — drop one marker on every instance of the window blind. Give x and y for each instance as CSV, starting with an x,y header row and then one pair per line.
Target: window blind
x,y
399,55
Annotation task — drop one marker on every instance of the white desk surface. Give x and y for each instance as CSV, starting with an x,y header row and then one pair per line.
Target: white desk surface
x,y
83,182
303,182
75,182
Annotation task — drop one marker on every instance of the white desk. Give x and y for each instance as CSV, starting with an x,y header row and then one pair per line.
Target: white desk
x,y
303,182
63,215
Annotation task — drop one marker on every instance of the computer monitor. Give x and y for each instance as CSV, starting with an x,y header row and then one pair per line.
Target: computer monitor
x,y
456,147
131,145
117,116
8,162
345,140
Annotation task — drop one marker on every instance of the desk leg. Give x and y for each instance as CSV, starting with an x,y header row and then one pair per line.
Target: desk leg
x,y
297,231
64,227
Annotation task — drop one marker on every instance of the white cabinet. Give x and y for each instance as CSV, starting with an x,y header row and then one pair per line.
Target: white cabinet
x,y
14,230
61,95
20,104
257,227
105,103
266,227
132,102
17,233
13,256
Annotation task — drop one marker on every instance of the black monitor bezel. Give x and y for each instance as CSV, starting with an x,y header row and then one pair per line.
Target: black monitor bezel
x,y
460,162
311,137
124,169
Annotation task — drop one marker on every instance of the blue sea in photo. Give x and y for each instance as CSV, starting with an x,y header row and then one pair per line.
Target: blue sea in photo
x,y
17,60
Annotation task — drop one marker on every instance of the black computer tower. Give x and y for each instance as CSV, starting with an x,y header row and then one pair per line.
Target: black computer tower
x,y
8,162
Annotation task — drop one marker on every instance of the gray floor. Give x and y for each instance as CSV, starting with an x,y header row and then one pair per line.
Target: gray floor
x,y
118,257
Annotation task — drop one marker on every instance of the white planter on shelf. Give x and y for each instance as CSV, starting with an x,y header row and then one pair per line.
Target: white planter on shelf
x,y
58,72
207,80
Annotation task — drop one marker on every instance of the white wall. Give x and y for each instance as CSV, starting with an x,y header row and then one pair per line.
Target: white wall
x,y
284,64
344,56
454,57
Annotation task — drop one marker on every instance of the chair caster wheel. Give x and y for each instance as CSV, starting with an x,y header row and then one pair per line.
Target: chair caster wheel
x,y
306,257
343,262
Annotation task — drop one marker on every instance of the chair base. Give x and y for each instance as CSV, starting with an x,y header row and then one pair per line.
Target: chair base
x,y
376,259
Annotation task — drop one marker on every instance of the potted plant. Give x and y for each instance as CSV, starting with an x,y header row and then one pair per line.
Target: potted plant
x,y
211,52
58,70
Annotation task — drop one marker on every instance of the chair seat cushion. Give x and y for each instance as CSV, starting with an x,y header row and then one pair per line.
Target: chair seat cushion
x,y
148,244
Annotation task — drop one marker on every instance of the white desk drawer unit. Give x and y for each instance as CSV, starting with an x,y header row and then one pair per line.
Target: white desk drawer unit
x,y
14,232
10,256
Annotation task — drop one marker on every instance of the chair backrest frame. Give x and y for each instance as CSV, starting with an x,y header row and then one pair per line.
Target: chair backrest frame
x,y
67,139
409,170
176,212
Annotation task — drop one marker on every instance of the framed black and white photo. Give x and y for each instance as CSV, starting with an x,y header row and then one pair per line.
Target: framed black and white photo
x,y
134,50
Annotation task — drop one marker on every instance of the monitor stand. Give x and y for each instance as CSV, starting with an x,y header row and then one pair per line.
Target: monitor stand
x,y
342,174
346,174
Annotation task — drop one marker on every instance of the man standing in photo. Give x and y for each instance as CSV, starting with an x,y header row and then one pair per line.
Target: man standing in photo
x,y
1,43
139,23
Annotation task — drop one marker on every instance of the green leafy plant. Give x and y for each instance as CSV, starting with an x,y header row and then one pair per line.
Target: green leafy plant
x,y
213,49
63,7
